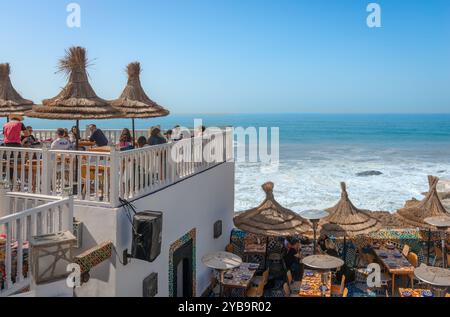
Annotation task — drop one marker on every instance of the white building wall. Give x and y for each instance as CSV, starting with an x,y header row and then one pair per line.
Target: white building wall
x,y
197,202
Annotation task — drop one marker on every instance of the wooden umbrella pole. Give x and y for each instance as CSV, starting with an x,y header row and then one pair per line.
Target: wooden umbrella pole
x,y
429,247
134,133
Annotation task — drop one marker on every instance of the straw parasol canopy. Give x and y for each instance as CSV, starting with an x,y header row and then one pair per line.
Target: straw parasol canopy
x,y
10,100
271,219
347,220
134,102
77,100
415,211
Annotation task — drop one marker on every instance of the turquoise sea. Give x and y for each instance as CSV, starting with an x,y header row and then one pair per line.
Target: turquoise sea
x,y
317,151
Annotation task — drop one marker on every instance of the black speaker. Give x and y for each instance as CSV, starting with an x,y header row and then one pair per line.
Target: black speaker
x,y
147,236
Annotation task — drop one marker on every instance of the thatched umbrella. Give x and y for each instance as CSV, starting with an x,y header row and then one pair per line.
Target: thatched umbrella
x,y
415,211
10,100
134,102
347,220
77,100
271,219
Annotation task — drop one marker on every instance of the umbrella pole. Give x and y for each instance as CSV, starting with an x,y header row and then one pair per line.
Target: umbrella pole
x,y
428,246
315,223
134,133
77,136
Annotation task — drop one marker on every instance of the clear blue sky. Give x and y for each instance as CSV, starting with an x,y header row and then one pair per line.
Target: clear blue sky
x,y
225,56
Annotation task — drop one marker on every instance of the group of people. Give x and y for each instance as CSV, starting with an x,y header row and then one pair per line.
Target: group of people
x,y
16,134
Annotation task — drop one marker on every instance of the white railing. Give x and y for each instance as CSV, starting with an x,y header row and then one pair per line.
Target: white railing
x,y
45,217
102,178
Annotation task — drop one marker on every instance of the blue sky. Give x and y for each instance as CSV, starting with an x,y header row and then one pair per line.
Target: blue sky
x,y
230,56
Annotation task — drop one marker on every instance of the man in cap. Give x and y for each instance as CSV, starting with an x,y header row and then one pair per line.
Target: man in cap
x,y
12,131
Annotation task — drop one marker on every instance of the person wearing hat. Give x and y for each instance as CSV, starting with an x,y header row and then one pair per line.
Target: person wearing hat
x,y
12,131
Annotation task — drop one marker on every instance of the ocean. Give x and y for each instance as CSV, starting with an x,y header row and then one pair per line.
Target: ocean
x,y
318,151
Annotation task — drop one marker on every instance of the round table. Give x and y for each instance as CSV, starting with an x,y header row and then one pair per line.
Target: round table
x,y
442,223
437,277
323,263
314,216
222,261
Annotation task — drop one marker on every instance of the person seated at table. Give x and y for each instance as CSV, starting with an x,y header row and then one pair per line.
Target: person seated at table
x,y
141,142
177,135
125,140
33,139
156,138
97,136
168,135
26,140
292,261
12,131
74,134
61,143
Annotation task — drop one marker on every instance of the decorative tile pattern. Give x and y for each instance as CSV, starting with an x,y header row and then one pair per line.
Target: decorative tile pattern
x,y
93,257
190,236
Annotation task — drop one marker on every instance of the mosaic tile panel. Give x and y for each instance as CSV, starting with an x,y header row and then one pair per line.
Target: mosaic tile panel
x,y
190,236
93,257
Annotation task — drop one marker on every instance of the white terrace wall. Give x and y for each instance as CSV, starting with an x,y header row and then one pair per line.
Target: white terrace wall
x,y
197,202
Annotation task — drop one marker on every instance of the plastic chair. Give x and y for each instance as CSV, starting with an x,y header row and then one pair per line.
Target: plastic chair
x,y
261,279
437,254
287,291
294,286
345,292
229,248
406,250
256,291
338,290
414,260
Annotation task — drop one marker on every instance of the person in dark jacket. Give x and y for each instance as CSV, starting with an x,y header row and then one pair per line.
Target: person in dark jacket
x,y
292,261
97,136
156,138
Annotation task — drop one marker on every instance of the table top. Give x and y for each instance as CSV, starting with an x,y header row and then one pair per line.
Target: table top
x,y
311,284
394,261
222,260
240,277
255,248
85,143
416,292
323,262
435,276
103,149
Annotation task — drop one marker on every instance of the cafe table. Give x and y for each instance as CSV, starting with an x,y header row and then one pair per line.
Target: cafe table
x,y
241,276
312,285
101,149
395,262
413,292
438,278
323,264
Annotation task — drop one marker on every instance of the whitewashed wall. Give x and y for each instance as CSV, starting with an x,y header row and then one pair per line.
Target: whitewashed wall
x,y
197,202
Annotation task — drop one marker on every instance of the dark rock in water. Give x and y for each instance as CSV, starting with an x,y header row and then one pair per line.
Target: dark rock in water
x,y
369,173
441,171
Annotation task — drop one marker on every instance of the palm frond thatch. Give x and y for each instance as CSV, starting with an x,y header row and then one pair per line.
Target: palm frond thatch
x,y
10,100
134,102
77,100
271,219
347,220
415,211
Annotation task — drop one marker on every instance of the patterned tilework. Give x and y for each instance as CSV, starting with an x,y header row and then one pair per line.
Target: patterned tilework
x,y
191,235
93,257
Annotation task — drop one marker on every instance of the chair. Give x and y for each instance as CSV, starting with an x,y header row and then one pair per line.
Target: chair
x,y
437,254
229,248
294,286
406,249
345,292
338,290
414,260
256,291
215,286
261,279
287,291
